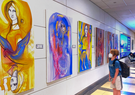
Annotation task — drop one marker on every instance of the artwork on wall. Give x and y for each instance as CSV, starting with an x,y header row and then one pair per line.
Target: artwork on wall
x,y
59,63
109,44
84,46
115,41
16,41
125,45
132,44
99,47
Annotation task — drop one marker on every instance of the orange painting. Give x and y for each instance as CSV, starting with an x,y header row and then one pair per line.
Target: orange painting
x,y
16,41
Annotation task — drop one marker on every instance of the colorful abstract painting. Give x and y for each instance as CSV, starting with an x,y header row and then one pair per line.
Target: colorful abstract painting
x,y
84,46
115,41
99,47
16,41
60,47
109,44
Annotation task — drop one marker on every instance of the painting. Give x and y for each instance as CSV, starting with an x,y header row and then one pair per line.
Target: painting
x,y
132,44
84,46
60,47
109,44
16,41
99,47
125,45
115,41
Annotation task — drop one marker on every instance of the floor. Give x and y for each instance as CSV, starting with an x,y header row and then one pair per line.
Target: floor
x,y
128,85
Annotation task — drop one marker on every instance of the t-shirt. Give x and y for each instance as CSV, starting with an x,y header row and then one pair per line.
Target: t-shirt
x,y
112,68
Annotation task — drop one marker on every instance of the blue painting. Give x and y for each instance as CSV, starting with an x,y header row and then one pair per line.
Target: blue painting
x,y
60,47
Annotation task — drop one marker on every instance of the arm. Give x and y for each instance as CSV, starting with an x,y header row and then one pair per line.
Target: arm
x,y
115,76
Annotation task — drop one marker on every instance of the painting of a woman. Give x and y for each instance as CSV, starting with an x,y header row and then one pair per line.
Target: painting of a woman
x,y
60,47
85,46
16,59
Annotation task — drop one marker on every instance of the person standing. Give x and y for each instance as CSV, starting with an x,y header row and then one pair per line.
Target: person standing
x,y
115,72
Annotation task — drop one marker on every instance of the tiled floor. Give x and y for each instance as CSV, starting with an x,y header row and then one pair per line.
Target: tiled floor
x,y
128,85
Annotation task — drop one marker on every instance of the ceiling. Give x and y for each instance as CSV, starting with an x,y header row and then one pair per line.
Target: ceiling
x,y
122,10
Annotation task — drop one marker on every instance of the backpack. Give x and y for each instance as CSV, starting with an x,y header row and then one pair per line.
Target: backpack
x,y
125,69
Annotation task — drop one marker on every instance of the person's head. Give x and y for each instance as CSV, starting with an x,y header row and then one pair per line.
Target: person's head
x,y
86,30
12,11
113,53
62,27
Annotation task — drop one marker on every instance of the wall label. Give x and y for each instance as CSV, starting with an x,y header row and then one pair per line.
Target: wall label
x,y
73,46
39,46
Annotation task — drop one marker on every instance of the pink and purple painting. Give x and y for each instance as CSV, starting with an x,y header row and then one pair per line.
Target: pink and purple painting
x,y
115,41
99,47
109,44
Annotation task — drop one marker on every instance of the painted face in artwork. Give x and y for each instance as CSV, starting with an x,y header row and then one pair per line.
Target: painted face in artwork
x,y
63,28
12,13
86,30
14,81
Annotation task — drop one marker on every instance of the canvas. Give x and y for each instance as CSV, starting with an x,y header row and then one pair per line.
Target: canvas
x,y
109,44
60,47
16,41
125,45
99,47
84,46
115,41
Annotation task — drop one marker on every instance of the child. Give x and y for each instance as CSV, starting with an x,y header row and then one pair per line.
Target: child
x,y
114,72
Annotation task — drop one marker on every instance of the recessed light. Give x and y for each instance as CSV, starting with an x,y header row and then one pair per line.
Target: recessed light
x,y
114,2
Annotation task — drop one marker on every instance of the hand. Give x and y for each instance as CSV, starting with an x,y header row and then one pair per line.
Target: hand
x,y
113,81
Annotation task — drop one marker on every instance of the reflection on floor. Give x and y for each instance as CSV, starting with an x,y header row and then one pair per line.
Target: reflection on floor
x,y
128,85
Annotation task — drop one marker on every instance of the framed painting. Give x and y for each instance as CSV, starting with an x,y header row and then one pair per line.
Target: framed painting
x,y
59,62
109,44
84,46
115,41
99,47
17,51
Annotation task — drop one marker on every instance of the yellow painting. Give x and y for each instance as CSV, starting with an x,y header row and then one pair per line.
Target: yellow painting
x,y
84,46
16,43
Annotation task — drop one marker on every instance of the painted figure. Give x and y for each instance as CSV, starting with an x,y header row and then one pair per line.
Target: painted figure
x,y
60,48
99,46
109,44
17,59
115,41
85,40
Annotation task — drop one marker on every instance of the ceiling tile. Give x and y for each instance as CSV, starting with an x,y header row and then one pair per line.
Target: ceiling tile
x,y
95,1
117,3
129,2
102,5
123,12
133,11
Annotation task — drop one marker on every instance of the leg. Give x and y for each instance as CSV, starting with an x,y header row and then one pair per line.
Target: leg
x,y
118,92
114,91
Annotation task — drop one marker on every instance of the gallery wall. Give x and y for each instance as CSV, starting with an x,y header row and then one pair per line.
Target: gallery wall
x,y
76,10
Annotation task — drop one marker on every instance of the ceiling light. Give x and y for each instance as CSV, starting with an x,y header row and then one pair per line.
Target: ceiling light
x,y
114,2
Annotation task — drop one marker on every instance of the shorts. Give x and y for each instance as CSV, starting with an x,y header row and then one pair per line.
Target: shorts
x,y
118,83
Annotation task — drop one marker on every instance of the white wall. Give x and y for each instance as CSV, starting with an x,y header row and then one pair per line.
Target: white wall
x,y
77,10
